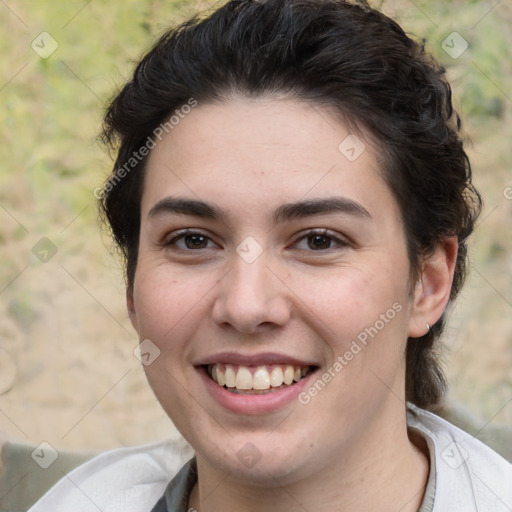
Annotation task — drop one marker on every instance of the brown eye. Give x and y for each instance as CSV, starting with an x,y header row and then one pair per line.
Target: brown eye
x,y
319,242
191,240
195,241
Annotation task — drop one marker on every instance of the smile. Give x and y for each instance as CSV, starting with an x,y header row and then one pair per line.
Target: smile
x,y
255,380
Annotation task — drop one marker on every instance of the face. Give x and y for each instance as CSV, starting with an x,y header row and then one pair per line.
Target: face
x,y
273,262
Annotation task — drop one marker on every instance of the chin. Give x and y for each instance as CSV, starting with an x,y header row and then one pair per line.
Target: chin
x,y
260,462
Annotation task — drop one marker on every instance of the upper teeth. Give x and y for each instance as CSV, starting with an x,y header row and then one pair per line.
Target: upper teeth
x,y
260,377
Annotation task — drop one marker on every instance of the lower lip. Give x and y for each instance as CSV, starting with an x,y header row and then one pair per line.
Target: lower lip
x,y
253,404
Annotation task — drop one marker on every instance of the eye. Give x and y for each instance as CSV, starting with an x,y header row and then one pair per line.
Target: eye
x,y
319,241
191,240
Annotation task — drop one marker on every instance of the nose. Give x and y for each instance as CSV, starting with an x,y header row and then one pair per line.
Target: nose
x,y
251,298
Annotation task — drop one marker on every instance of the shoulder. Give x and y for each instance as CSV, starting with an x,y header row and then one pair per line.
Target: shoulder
x,y
118,480
469,475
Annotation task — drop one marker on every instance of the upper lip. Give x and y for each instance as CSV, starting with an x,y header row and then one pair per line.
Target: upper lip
x,y
262,359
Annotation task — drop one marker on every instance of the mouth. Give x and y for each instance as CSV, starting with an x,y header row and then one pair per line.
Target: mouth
x,y
255,384
256,380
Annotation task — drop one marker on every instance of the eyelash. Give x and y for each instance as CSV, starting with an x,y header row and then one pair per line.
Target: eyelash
x,y
340,243
302,236
181,235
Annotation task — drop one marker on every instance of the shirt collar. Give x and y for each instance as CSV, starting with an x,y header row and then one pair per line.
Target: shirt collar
x,y
177,493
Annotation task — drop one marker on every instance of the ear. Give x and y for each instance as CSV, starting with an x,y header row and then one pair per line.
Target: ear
x,y
432,291
130,304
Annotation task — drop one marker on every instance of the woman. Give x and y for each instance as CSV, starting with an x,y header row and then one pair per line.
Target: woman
x,y
293,201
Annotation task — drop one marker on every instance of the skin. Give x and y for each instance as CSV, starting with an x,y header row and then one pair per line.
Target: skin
x,y
349,448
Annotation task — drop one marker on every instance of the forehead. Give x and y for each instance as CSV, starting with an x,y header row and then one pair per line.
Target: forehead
x,y
252,153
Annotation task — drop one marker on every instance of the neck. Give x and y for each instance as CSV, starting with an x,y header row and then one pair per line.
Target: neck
x,y
385,469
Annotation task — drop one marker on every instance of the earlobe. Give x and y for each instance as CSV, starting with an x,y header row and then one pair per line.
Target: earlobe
x,y
432,292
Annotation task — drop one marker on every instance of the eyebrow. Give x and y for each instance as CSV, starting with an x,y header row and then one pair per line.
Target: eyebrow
x,y
184,206
322,206
285,212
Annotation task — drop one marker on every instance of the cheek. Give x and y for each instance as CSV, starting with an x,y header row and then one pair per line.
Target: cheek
x,y
170,308
349,300
169,304
362,320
